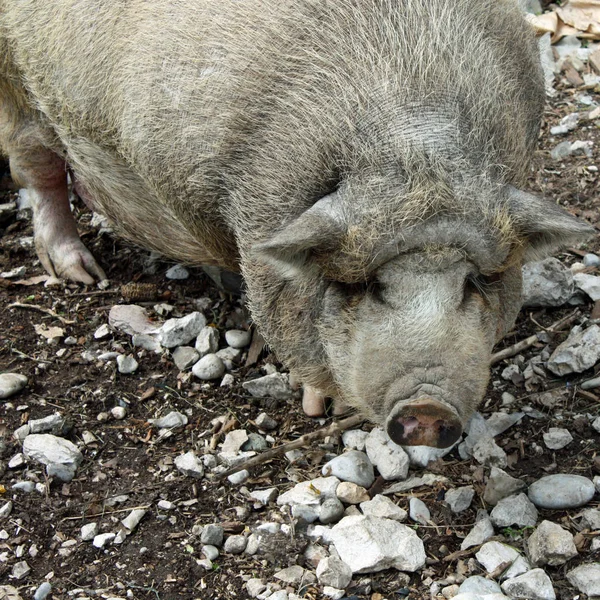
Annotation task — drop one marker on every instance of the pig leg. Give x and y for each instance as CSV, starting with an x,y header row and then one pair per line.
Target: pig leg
x,y
57,243
313,402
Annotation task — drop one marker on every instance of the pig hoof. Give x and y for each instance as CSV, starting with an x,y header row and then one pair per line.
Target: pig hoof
x,y
313,402
424,422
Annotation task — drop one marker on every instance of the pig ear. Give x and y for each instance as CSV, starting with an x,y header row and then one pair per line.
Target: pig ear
x,y
547,227
317,228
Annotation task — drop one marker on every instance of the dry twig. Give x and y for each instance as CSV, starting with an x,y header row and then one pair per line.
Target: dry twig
x,y
41,309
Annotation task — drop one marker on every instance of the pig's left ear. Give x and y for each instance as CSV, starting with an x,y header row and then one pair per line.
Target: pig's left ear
x,y
545,226
317,229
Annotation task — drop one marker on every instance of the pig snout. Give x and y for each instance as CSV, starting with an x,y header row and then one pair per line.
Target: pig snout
x,y
424,422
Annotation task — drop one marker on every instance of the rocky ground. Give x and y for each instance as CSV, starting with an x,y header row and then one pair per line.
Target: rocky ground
x,y
129,403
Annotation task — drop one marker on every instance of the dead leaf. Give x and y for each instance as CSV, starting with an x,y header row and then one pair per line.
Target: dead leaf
x,y
576,17
49,332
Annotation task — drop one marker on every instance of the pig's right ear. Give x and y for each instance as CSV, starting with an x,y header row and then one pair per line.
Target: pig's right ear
x,y
318,229
546,227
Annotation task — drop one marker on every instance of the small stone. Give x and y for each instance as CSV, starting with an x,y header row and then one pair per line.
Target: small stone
x,y
209,367
118,412
333,572
21,432
580,351
533,585
255,442
354,439
89,531
64,473
479,585
390,459
557,438
147,342
102,332
353,466
254,587
264,496
482,531
228,380
20,570
546,283
212,535
185,357
189,464
6,509
590,284
550,544
492,554
11,383
211,552
234,441
236,338
239,477
292,575
127,364
310,493
131,521
488,453
24,486
591,260
54,424
561,151
266,423
178,332
102,539
590,518
561,491
177,272
49,449
514,510
17,461
42,592
586,578
332,510
207,341
501,485
131,318
460,499
350,493
418,511
235,544
381,506
172,420
508,399
275,386
166,505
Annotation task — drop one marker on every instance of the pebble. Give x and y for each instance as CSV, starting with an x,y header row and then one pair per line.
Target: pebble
x,y
514,510
418,511
20,570
352,466
293,575
43,591
332,510
234,544
49,449
479,585
488,453
172,420
239,477
586,578
227,380
54,424
102,539
550,544
580,351
421,456
255,586
234,441
334,572
11,383
310,493
266,423
189,464
177,272
118,412
567,123
369,544
212,535
6,509
275,386
64,473
350,493
237,338
17,461
492,554
207,341
382,507
132,520
561,491
557,438
185,357
459,499
102,332
24,486
501,485
264,496
147,342
209,367
590,518
230,356
546,283
561,151
166,505
390,459
354,439
127,364
533,585
210,552
20,433
482,531
178,332
89,531
589,284
131,319
591,260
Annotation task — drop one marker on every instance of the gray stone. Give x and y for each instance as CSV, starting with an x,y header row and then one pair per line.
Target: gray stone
x,y
561,151
550,544
254,587
353,466
132,319
234,544
239,477
546,283
266,423
20,570
23,486
331,511
304,512
479,585
293,575
482,531
382,507
310,493
127,364
501,485
514,510
147,342
185,357
488,453
118,412
212,535
557,438
418,511
561,491
102,539
210,552
492,554
264,496
421,456
42,592
369,544
48,449
237,338
189,464
354,439
234,440
178,332
459,499
209,367
230,356
6,509
591,260
255,442
334,572
275,386
580,351
11,383
586,578
177,272
350,493
132,520
89,531
102,332
590,284
172,420
64,473
207,341
590,518
533,585
54,424
390,459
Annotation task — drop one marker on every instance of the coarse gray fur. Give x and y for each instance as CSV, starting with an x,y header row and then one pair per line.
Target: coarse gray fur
x,y
207,129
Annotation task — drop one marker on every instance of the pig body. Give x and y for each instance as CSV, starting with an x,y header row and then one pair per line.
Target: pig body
x,y
355,161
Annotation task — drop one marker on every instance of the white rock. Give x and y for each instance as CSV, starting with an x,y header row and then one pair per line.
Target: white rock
x,y
230,356
350,493
209,367
127,364
207,341
334,572
132,319
42,591
6,509
354,439
482,531
185,357
254,587
369,544
590,518
501,485
546,283
264,496
54,423
590,284
234,544
514,510
89,531
147,342
172,420
266,423
239,477
189,464
390,459
488,453
310,492
586,578
234,440
330,592
11,383
102,332
17,461
102,539
421,456
381,506
178,332
353,466
237,338
292,575
580,351
50,449
561,491
211,552
20,569
459,499
227,380
20,433
533,585
479,585
131,521
550,544
418,511
331,511
557,438
177,272
167,505
492,554
275,386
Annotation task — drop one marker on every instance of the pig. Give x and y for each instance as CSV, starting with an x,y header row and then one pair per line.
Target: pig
x,y
361,163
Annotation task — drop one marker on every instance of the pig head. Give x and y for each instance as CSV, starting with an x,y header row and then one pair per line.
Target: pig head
x,y
404,308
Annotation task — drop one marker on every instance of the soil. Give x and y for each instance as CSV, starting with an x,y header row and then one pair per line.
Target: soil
x,y
129,466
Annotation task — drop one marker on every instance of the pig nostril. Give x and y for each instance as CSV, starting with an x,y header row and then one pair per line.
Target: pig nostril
x,y
448,433
409,424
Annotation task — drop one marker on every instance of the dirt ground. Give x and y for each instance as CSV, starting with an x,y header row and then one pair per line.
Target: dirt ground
x,y
128,466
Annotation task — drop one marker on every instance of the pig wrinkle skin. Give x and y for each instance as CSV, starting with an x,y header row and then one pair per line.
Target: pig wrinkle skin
x,y
358,161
